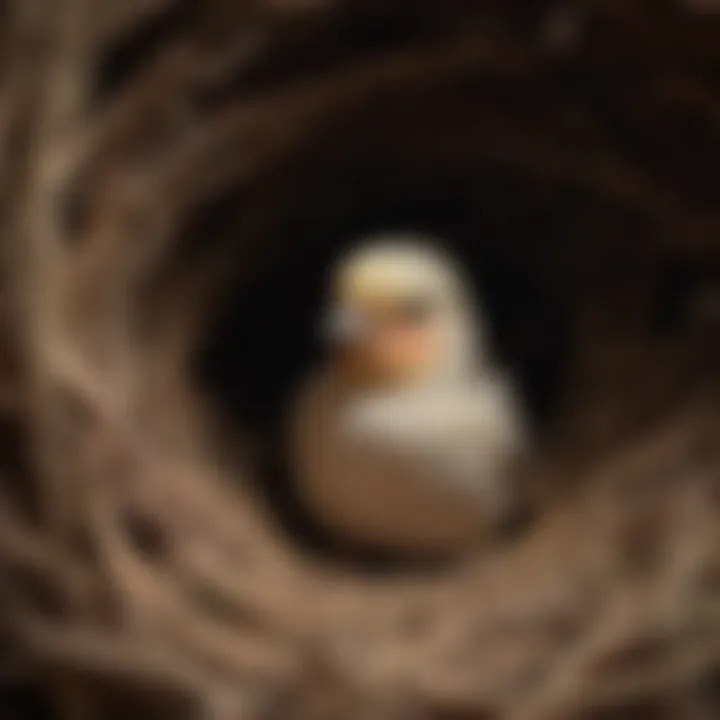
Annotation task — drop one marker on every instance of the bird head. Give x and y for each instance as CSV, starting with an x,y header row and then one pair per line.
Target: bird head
x,y
400,314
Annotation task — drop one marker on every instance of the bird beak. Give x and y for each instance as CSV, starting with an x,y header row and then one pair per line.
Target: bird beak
x,y
344,327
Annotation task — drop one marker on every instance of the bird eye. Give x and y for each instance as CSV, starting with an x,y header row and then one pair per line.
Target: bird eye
x,y
416,311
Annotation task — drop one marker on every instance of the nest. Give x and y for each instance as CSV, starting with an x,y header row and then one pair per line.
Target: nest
x,y
177,175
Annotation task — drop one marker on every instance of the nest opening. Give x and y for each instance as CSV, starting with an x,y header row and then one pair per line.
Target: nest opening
x,y
263,337
527,245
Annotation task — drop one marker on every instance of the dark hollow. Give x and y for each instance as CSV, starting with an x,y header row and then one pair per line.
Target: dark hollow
x,y
264,339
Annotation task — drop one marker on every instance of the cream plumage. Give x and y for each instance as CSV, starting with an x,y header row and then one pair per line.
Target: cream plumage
x,y
405,438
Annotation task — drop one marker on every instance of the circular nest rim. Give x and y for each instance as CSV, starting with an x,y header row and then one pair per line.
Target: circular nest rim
x,y
156,571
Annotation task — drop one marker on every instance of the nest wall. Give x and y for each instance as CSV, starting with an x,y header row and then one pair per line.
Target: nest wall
x,y
178,177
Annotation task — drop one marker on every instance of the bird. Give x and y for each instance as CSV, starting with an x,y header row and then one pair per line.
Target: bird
x,y
405,437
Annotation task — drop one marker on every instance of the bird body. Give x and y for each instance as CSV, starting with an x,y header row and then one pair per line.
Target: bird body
x,y
404,439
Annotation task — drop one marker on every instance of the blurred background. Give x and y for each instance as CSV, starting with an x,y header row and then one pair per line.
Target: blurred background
x,y
176,179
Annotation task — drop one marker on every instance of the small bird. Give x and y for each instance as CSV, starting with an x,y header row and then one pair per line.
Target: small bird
x,y
405,439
